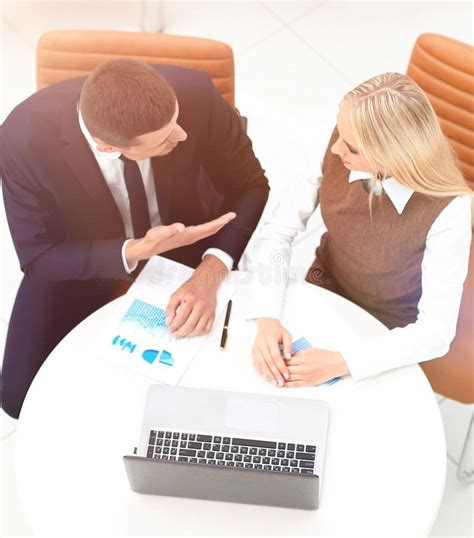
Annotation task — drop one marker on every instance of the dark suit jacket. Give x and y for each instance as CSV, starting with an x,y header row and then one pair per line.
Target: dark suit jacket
x,y
64,222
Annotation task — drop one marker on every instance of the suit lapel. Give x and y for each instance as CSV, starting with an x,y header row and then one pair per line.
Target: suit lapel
x,y
80,159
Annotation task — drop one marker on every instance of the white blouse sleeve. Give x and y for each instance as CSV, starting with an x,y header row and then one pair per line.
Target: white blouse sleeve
x,y
444,270
269,257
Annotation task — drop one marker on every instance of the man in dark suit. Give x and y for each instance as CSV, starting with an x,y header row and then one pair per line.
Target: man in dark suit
x,y
100,174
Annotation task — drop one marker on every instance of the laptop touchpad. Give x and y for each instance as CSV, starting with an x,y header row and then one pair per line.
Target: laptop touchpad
x,y
246,414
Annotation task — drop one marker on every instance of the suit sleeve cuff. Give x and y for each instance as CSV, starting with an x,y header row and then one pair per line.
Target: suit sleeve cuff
x,y
225,258
127,267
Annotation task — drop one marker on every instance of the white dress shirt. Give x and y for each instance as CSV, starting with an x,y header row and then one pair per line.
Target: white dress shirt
x,y
444,269
112,169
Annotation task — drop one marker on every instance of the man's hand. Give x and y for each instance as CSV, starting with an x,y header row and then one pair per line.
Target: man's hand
x,y
272,343
163,238
315,366
192,307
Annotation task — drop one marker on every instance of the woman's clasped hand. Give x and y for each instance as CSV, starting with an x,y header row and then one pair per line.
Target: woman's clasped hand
x,y
275,363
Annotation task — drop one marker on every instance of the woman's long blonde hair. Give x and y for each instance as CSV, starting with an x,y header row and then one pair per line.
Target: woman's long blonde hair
x,y
398,134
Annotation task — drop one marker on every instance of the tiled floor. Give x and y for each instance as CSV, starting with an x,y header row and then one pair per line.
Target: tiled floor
x,y
294,61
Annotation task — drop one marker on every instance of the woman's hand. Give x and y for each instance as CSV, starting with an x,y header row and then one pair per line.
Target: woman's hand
x,y
272,343
314,366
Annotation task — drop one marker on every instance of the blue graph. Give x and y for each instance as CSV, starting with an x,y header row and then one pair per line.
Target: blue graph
x,y
124,343
150,318
150,355
165,358
300,345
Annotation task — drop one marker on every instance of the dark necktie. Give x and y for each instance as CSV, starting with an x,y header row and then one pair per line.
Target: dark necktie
x,y
137,197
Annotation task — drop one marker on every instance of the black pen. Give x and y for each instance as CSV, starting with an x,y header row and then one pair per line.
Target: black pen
x,y
226,324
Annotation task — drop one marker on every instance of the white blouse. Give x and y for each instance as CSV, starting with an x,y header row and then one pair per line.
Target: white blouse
x,y
444,269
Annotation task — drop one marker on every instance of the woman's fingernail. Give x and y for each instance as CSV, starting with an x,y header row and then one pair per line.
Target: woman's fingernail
x,y
274,382
280,382
288,355
286,375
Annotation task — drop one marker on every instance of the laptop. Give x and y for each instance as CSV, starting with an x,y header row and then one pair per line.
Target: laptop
x,y
230,446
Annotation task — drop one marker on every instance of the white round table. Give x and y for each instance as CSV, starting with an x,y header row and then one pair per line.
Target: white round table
x,y
385,463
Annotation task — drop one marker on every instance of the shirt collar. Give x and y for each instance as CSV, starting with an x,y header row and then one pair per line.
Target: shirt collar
x,y
106,156
398,194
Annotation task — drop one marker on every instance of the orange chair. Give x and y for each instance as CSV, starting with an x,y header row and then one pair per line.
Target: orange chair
x,y
64,54
444,69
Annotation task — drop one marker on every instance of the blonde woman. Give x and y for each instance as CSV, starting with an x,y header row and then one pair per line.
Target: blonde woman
x,y
398,217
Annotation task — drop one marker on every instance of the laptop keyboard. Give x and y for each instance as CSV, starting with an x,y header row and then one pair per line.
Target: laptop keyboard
x,y
232,451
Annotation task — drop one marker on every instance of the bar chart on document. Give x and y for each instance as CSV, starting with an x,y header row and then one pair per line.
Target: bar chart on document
x,y
142,342
152,320
138,337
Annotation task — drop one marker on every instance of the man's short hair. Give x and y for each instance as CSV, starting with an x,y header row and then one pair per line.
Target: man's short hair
x,y
122,99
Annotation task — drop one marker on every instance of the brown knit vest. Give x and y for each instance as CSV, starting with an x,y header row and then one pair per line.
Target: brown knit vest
x,y
376,263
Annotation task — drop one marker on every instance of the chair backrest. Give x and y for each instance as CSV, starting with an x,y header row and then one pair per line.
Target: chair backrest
x,y
444,69
64,54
